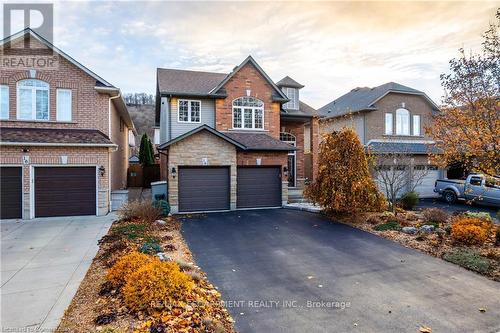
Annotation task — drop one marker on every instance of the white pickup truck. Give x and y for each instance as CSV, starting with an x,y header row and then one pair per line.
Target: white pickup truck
x,y
476,187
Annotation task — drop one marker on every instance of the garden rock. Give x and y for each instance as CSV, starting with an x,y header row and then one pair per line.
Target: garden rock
x,y
440,231
163,256
409,230
427,228
160,222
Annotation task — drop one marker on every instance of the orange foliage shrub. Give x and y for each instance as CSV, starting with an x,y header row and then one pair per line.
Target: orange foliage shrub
x,y
156,285
127,265
470,231
344,183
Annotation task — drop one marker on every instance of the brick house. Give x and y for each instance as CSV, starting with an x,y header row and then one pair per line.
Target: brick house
x,y
389,119
64,135
232,141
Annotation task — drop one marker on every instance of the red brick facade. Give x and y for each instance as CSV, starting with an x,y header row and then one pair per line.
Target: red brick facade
x,y
248,78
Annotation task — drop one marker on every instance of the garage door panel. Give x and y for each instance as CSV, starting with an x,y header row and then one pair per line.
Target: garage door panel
x,y
10,192
204,189
65,191
259,187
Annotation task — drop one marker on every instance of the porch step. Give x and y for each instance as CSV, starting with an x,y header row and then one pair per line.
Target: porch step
x,y
295,196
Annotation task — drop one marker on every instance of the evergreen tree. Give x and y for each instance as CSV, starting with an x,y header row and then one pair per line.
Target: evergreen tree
x,y
146,155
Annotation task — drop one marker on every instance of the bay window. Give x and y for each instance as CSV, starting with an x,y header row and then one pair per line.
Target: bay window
x,y
189,111
63,105
248,113
32,100
4,102
402,122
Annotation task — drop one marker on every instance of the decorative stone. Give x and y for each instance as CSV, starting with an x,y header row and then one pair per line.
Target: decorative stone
x,y
163,256
427,228
160,222
440,231
409,230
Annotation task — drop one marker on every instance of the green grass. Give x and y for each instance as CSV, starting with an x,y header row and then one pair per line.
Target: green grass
x,y
390,225
470,259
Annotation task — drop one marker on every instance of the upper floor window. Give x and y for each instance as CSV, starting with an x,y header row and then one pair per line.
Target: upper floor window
x,y
63,104
4,102
293,96
388,123
32,100
189,111
416,125
248,113
402,122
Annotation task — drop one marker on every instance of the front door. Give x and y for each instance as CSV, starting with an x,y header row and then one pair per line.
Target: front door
x,y
292,156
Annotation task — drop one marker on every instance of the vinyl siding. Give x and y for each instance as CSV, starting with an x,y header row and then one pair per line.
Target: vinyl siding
x,y
207,116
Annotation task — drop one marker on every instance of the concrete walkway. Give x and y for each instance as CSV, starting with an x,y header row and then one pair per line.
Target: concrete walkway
x,y
43,262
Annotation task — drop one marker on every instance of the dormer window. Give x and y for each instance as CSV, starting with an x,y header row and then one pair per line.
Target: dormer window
x,y
32,100
293,96
248,113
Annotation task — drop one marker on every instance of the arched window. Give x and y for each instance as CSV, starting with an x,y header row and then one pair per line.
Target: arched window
x,y
402,122
248,113
32,100
288,138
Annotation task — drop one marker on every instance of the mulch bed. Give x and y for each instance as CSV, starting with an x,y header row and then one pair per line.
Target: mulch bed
x,y
431,243
99,307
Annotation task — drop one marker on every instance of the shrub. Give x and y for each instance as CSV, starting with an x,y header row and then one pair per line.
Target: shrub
x,y
409,200
344,183
470,259
435,215
163,205
374,220
150,248
497,237
390,225
470,231
156,284
143,210
127,265
132,230
479,215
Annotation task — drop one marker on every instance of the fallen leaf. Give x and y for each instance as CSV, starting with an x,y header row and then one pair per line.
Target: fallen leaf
x,y
425,329
482,310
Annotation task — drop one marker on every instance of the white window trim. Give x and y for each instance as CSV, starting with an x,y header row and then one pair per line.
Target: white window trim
x,y
409,123
415,116
389,130
33,103
253,108
8,101
189,111
71,105
293,103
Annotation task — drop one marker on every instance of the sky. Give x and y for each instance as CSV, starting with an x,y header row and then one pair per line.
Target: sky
x,y
330,47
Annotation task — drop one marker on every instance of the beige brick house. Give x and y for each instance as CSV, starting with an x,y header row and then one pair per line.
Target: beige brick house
x,y
232,141
64,134
389,119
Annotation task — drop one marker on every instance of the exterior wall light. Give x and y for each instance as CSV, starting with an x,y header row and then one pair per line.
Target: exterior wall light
x,y
174,172
102,170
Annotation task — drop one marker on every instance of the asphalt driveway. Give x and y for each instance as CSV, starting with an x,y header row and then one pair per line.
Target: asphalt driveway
x,y
292,271
43,262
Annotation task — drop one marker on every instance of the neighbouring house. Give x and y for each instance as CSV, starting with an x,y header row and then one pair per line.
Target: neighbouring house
x,y
232,141
65,135
389,119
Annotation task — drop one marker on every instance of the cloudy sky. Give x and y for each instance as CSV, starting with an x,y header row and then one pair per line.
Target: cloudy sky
x,y
330,47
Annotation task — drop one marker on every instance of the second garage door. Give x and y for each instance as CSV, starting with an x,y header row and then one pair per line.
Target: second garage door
x,y
204,189
259,187
65,191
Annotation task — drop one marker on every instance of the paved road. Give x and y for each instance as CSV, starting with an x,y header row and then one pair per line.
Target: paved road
x,y
260,257
43,262
458,206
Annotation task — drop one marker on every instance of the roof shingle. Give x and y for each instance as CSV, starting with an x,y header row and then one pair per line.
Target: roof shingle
x,y
417,148
259,141
176,81
53,136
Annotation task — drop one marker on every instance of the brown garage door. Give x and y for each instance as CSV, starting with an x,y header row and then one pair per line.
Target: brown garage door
x,y
10,192
259,187
65,191
203,188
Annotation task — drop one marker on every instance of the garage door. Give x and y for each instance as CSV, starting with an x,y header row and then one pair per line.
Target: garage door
x,y
65,191
204,189
426,188
11,192
259,187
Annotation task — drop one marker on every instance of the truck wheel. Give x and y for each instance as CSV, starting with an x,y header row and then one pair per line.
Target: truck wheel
x,y
450,197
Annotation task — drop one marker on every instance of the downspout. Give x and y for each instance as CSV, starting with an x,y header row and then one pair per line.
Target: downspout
x,y
109,155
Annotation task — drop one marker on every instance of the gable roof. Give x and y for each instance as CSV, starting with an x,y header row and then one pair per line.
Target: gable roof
x,y
280,96
364,99
289,82
185,82
27,31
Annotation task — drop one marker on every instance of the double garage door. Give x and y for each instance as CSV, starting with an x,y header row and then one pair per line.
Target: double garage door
x,y
209,188
58,191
